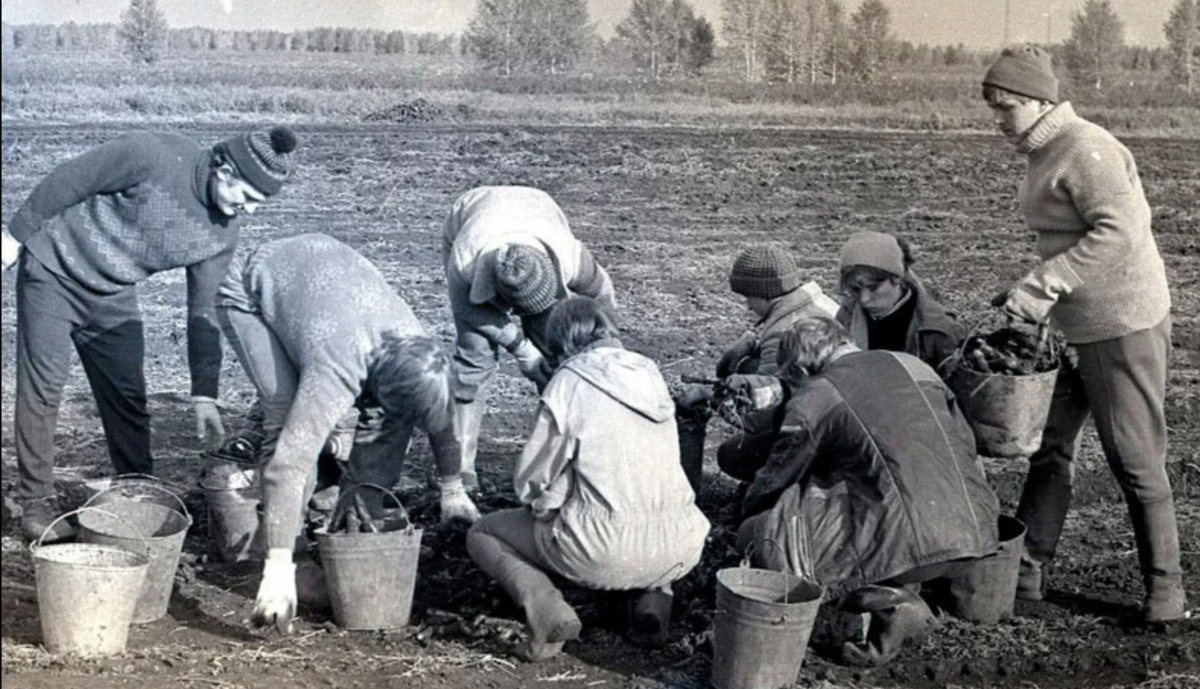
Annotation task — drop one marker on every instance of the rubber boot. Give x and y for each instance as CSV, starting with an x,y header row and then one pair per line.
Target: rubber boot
x,y
468,420
551,620
897,614
649,618
1156,531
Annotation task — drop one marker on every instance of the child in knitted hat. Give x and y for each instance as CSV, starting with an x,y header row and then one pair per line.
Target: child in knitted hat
x,y
1101,281
92,229
509,251
767,276
885,306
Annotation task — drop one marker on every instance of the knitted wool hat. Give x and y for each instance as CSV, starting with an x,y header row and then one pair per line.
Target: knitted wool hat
x,y
767,271
262,158
874,249
1025,69
526,278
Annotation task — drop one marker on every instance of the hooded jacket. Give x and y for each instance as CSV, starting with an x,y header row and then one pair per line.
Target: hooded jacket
x,y
873,474
601,471
933,334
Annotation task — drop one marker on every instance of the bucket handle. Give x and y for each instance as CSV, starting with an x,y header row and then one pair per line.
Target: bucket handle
x,y
182,507
79,510
408,529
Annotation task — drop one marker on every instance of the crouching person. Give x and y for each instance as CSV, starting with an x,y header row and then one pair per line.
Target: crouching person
x,y
607,505
872,486
317,329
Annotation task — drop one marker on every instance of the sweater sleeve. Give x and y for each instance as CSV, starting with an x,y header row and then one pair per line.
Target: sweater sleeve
x,y
791,456
1101,181
592,280
105,169
320,401
203,330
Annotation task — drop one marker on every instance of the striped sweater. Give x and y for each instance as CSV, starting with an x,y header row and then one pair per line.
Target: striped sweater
x,y
127,209
1101,273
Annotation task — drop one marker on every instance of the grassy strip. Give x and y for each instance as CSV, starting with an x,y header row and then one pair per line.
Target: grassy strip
x,y
328,88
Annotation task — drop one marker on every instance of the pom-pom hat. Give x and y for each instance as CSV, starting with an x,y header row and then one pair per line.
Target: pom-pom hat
x,y
262,158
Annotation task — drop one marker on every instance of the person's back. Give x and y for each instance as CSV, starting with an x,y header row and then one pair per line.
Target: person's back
x,y
631,503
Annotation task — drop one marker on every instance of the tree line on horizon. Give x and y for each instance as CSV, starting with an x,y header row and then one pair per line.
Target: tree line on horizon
x,y
788,41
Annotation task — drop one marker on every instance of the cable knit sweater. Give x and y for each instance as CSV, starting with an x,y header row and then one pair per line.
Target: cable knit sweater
x,y
130,208
1101,276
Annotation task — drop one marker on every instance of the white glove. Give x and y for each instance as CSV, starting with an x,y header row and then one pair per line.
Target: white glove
x,y
532,364
209,428
10,249
276,600
456,504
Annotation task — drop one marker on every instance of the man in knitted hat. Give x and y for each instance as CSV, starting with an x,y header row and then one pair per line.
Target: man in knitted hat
x,y
1102,282
92,229
767,276
508,251
885,306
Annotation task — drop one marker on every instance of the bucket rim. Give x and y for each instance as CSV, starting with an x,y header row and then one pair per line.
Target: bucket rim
x,y
45,553
791,583
188,522
183,509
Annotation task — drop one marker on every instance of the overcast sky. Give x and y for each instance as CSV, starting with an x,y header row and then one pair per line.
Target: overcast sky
x,y
975,23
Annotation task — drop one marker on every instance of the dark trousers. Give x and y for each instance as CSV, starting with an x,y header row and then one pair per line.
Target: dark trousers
x,y
54,314
1121,385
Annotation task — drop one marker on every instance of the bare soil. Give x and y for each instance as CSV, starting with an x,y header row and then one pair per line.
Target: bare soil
x,y
666,210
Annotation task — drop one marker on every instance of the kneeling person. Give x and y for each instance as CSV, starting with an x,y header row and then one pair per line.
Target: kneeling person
x,y
872,485
607,505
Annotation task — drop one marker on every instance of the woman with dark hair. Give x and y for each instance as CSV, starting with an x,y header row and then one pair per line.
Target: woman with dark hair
x,y
607,505
318,329
885,306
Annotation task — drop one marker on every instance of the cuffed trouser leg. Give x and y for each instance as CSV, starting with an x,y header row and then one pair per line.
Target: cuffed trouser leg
x,y
1125,380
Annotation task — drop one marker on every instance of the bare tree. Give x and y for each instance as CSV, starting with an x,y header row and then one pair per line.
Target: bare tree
x,y
784,36
507,36
1096,42
742,21
1183,41
143,31
870,39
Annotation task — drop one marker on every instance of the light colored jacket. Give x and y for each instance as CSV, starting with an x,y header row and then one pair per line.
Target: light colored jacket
x,y
483,220
601,471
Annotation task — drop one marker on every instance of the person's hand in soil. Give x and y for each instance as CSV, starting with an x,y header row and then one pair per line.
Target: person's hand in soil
x,y
275,604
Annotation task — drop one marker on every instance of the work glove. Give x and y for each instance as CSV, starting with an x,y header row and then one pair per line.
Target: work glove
x,y
10,249
744,348
749,395
456,504
532,364
209,428
275,603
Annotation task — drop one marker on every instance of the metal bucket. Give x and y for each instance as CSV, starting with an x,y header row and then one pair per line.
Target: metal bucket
x,y
233,493
986,592
87,594
370,576
141,527
763,622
